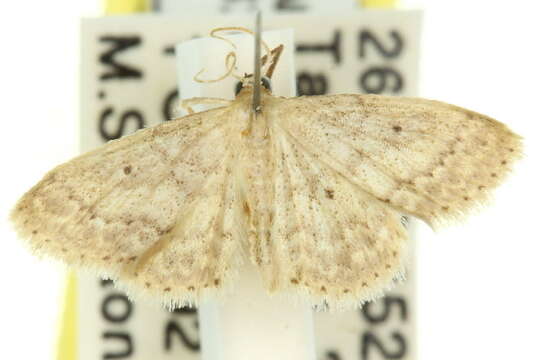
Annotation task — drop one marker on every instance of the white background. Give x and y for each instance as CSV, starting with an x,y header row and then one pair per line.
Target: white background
x,y
478,282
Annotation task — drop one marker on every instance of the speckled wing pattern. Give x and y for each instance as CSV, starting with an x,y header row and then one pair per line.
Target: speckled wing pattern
x,y
311,191
324,237
426,158
345,167
154,209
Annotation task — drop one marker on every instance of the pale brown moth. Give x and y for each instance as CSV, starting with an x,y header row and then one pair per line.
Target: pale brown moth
x,y
309,189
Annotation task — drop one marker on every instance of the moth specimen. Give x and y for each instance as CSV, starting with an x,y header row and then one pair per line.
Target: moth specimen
x,y
308,189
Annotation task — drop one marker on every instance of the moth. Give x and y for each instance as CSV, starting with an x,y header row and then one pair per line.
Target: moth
x,y
310,190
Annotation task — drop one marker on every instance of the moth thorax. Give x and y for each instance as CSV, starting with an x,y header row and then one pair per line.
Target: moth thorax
x,y
257,133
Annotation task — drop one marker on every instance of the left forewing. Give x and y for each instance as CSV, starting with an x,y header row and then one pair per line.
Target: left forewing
x,y
426,158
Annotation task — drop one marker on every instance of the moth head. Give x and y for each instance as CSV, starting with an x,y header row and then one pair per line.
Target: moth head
x,y
247,83
268,65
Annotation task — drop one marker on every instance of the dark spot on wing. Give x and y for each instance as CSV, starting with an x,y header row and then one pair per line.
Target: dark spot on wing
x,y
329,193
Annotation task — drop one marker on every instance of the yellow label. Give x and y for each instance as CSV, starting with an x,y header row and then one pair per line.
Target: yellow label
x,y
67,342
379,3
113,7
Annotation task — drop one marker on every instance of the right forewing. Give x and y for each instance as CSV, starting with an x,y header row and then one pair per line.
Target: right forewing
x,y
155,209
